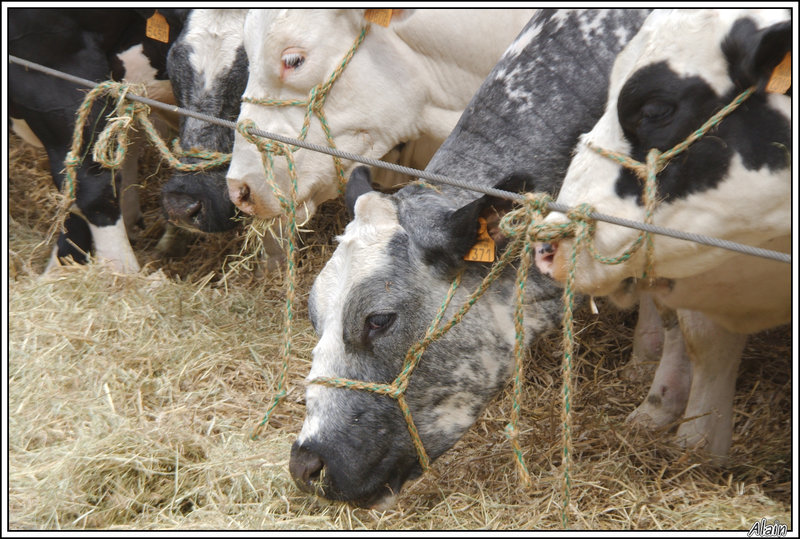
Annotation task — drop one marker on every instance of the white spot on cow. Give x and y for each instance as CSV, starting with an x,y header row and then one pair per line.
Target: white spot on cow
x,y
525,38
454,414
137,65
312,423
24,131
214,36
111,246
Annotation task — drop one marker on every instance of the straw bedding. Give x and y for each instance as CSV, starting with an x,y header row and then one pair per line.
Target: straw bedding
x,y
131,400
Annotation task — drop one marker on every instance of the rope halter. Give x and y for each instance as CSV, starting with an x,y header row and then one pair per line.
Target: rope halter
x,y
314,106
530,216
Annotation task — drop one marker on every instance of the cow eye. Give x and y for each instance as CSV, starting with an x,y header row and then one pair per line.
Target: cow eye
x,y
292,58
378,323
657,110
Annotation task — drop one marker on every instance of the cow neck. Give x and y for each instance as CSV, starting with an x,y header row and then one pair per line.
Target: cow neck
x,y
314,105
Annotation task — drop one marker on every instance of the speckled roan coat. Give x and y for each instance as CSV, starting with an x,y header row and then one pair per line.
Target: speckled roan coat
x,y
394,263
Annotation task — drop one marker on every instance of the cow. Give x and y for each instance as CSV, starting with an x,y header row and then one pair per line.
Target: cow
x,y
734,183
396,259
95,44
407,82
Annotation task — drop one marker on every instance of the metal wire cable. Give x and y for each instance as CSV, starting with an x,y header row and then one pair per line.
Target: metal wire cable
x,y
438,178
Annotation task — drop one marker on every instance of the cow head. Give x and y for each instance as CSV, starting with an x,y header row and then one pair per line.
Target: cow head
x,y
374,300
733,183
292,51
208,70
406,81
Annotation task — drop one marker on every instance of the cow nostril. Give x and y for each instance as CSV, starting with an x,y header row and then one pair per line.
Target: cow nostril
x,y
244,193
306,467
193,210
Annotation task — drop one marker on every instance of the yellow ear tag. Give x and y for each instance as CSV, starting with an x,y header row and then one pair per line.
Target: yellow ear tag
x,y
781,78
157,28
483,250
379,16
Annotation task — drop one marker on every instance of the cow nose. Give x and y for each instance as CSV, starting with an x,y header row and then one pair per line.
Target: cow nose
x,y
306,467
239,192
181,207
544,256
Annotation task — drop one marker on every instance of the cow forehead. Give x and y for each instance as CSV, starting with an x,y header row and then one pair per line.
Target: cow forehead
x,y
269,31
361,252
214,35
690,41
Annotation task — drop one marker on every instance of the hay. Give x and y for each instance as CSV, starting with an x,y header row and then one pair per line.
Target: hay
x,y
131,400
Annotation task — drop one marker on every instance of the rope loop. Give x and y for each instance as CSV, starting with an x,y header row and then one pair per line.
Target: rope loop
x,y
110,148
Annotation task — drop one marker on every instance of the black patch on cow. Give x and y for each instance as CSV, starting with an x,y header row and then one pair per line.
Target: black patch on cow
x,y
76,243
657,108
85,43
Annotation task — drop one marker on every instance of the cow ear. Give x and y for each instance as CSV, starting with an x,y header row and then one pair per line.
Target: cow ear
x,y
441,236
463,222
360,182
758,51
386,17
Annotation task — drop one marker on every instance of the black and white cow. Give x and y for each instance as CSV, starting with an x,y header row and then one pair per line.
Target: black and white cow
x,y
207,66
733,184
95,44
395,261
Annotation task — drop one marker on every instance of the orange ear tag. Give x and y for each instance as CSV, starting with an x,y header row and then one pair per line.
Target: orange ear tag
x,y
157,28
483,250
379,16
781,78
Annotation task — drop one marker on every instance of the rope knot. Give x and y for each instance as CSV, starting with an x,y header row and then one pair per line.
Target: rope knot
x,y
581,214
539,203
316,99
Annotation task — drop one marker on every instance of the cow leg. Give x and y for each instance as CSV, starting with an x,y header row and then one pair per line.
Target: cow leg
x,y
76,243
129,187
173,242
666,400
97,200
111,246
274,251
715,354
648,340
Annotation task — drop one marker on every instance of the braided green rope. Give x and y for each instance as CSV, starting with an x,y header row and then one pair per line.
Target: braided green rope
x,y
656,162
396,389
314,106
269,148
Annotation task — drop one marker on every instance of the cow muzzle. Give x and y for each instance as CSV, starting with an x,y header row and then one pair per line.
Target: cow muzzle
x,y
315,474
550,260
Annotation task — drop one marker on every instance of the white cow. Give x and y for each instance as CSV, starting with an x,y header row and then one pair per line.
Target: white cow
x,y
734,184
407,82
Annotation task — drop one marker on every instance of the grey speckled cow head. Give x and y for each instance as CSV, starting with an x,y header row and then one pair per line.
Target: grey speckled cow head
x,y
395,262
374,300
